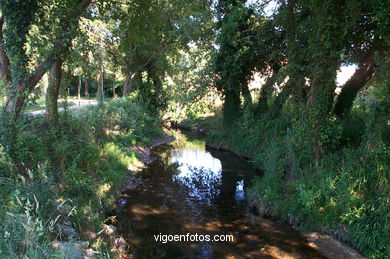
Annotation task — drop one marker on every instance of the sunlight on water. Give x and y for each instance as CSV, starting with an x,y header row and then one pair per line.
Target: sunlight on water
x,y
199,172
240,193
196,158
189,189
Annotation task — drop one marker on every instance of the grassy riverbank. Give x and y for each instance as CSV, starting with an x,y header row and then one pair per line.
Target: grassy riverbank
x,y
346,194
56,183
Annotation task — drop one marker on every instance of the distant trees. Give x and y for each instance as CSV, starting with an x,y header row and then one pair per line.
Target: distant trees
x,y
133,41
151,35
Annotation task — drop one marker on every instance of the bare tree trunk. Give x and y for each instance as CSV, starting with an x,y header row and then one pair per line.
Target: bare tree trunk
x,y
52,93
79,90
86,88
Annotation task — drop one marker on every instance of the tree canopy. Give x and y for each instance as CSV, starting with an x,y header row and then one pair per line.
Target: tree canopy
x,y
259,76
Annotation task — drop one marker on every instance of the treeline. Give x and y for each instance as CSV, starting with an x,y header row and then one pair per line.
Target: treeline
x,y
61,174
299,50
324,148
107,47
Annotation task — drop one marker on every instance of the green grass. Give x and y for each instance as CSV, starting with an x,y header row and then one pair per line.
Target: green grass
x,y
82,161
346,194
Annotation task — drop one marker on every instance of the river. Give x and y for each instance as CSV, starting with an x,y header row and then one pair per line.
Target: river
x,y
195,193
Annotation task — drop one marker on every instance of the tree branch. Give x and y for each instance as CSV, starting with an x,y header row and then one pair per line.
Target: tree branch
x,y
358,80
59,46
15,104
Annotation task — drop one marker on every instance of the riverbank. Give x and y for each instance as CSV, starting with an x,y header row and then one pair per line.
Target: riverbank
x,y
329,245
63,181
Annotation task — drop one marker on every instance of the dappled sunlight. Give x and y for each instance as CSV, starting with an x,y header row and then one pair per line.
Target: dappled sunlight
x,y
191,190
103,189
148,210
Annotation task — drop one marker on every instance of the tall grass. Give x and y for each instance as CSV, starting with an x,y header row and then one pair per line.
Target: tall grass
x,y
346,194
82,160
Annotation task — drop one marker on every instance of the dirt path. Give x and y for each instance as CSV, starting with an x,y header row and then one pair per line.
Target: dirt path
x,y
79,103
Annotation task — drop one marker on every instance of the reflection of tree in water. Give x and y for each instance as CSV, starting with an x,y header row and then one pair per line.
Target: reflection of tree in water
x,y
201,183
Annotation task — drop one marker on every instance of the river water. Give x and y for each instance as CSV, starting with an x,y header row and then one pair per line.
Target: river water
x,y
193,192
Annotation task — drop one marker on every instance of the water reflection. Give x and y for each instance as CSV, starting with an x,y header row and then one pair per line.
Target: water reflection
x,y
240,194
189,189
199,173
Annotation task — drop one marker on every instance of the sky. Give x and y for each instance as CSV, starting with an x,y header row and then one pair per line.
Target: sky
x,y
345,73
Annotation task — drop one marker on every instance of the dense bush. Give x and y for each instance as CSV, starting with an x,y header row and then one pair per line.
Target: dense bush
x,y
346,193
83,159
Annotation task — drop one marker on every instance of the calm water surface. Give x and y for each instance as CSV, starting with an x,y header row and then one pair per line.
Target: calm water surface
x,y
189,189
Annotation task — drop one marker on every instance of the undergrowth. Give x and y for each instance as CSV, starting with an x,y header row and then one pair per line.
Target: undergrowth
x,y
346,193
82,161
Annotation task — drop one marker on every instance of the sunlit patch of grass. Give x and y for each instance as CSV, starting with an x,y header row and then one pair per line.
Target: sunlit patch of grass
x,y
103,189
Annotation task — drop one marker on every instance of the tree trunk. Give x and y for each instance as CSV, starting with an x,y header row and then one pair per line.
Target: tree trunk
x,y
321,98
129,82
265,93
159,94
20,90
113,91
324,70
281,99
231,106
86,88
351,88
79,90
52,93
99,92
246,94
4,61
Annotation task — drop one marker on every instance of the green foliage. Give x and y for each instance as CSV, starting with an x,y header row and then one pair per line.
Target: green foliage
x,y
19,15
320,172
25,228
121,118
114,166
234,59
345,194
78,184
84,159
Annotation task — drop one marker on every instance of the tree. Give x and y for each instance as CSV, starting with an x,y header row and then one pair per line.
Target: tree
x,y
151,39
234,59
52,92
19,16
